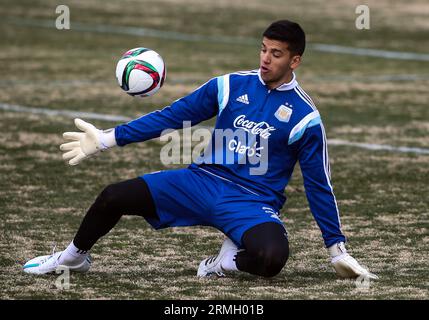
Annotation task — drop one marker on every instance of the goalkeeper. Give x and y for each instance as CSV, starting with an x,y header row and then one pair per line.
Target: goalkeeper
x,y
237,186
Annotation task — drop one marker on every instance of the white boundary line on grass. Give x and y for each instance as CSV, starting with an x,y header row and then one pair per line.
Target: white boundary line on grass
x,y
371,146
194,81
67,113
106,117
172,35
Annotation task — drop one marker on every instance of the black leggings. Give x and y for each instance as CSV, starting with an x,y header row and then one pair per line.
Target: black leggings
x,y
266,248
130,197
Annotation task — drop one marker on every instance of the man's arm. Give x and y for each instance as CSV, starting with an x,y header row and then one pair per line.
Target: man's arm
x,y
314,163
198,106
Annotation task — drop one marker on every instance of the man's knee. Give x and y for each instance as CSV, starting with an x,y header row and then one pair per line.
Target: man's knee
x,y
130,197
266,250
109,197
272,259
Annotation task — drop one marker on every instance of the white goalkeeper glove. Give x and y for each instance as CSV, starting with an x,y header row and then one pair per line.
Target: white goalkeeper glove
x,y
87,143
345,265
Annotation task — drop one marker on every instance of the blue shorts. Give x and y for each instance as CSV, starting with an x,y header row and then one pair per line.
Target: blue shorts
x,y
195,196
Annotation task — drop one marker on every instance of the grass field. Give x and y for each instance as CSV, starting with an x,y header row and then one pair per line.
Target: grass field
x,y
382,195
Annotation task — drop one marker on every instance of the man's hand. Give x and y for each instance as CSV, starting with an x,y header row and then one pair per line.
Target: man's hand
x,y
86,143
345,265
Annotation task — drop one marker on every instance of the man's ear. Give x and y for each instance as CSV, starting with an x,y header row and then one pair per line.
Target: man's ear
x,y
295,62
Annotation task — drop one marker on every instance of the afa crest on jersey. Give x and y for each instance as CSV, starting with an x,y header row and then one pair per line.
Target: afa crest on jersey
x,y
283,113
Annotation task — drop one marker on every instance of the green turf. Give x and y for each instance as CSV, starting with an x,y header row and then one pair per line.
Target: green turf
x,y
382,195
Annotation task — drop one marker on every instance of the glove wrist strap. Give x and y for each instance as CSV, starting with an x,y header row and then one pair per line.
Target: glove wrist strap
x,y
107,139
337,249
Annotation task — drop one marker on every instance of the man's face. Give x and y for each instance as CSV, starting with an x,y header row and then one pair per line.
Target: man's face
x,y
276,62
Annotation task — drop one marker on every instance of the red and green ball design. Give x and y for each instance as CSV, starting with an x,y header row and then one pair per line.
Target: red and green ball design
x,y
134,53
143,66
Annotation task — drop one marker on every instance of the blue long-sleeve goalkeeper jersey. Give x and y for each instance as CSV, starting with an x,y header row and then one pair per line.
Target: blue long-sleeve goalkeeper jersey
x,y
282,127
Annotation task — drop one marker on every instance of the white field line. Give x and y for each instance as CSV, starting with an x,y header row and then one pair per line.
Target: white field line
x,y
116,118
66,113
195,81
178,36
372,146
370,78
386,54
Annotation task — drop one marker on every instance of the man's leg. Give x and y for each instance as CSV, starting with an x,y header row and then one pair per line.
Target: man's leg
x,y
266,250
130,197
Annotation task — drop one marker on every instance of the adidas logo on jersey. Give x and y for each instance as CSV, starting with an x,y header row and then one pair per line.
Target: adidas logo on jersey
x,y
243,99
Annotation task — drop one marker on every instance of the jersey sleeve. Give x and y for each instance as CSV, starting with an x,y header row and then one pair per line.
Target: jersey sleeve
x,y
196,107
314,163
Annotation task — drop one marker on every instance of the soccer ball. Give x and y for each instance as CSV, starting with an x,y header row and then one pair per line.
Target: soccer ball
x,y
141,72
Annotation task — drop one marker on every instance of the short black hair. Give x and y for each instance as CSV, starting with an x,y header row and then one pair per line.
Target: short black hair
x,y
287,31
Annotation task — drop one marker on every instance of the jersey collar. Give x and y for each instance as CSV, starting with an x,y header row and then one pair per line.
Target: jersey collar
x,y
285,86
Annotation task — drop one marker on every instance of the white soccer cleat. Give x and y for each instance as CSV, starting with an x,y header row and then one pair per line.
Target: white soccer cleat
x,y
212,265
49,264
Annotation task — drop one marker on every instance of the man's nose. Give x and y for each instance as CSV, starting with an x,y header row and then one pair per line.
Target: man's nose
x,y
266,58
